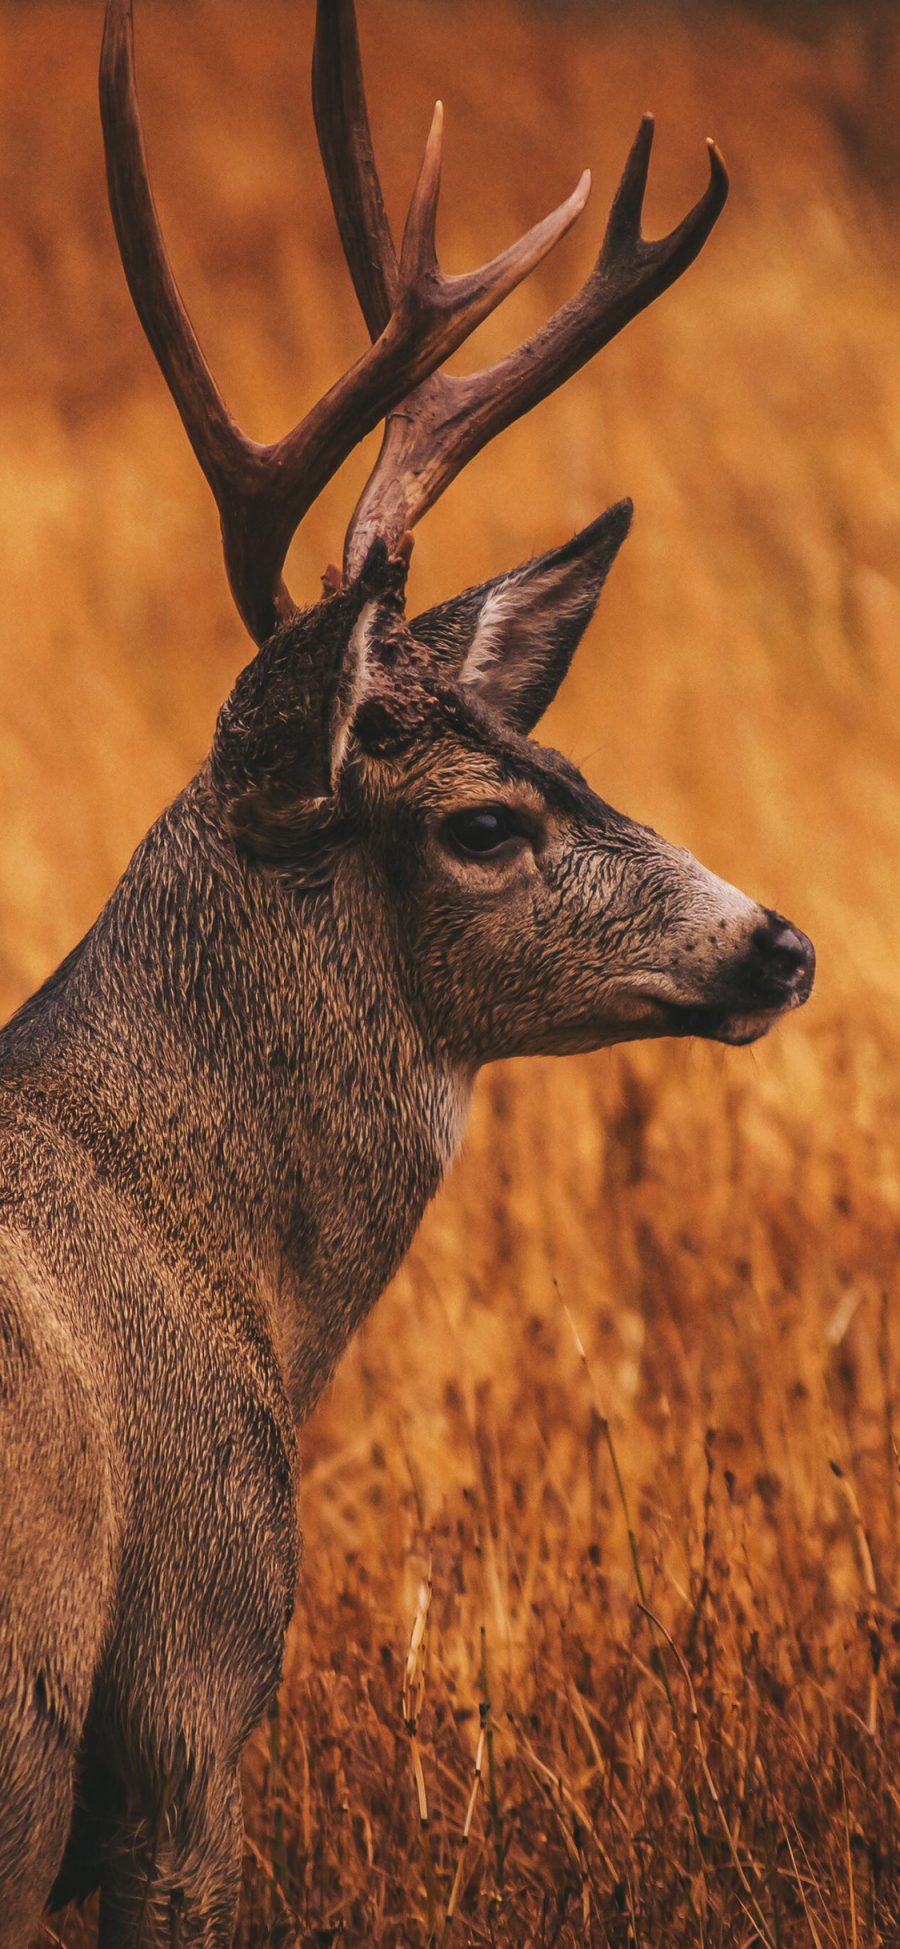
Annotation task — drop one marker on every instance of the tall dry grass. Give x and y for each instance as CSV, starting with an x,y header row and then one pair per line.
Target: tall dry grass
x,y
629,1412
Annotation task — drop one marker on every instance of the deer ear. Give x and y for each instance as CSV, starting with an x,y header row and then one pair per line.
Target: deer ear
x,y
512,640
282,736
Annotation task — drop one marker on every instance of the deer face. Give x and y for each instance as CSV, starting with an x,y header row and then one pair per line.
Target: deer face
x,y
525,914
535,919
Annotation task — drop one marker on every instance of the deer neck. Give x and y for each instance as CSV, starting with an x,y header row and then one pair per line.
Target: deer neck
x,y
249,1067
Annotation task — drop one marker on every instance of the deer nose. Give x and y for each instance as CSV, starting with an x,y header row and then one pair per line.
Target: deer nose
x,y
785,959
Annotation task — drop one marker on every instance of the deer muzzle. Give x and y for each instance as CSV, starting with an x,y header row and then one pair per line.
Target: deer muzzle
x,y
754,987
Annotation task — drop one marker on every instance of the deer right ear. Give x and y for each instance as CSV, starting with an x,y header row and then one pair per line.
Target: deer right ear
x,y
511,640
282,736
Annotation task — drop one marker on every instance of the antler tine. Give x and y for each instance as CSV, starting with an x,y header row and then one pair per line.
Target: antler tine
x,y
345,144
452,418
216,441
417,316
627,207
418,251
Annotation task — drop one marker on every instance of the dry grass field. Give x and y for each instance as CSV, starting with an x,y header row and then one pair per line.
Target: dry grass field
x,y
629,1417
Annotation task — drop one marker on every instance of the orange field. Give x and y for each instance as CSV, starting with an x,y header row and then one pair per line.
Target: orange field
x,y
629,1414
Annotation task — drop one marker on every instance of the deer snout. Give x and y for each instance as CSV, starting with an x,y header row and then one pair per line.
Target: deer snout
x,y
780,964
742,988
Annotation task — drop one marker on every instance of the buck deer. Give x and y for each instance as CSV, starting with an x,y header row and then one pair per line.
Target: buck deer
x,y
225,1113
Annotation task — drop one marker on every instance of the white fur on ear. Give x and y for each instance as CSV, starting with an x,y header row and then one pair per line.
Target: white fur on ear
x,y
510,641
488,643
521,622
353,686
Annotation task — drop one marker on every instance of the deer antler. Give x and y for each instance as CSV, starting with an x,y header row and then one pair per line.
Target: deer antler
x,y
262,492
449,419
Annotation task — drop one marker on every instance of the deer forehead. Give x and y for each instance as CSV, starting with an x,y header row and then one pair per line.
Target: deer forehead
x,y
435,775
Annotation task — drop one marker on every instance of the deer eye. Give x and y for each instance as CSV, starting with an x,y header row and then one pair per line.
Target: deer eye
x,y
482,832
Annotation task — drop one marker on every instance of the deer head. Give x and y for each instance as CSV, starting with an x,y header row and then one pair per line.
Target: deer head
x,y
390,761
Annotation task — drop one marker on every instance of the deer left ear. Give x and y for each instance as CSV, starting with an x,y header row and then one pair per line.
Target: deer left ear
x,y
512,640
282,735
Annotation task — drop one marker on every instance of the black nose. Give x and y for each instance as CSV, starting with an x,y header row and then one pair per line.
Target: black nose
x,y
784,960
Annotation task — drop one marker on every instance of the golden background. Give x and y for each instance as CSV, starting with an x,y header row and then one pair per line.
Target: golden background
x,y
718,1226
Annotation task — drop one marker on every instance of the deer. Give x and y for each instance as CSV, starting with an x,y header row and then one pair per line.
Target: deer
x,y
226,1111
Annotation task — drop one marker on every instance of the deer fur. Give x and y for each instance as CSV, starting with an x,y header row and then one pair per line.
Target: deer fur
x,y
222,1120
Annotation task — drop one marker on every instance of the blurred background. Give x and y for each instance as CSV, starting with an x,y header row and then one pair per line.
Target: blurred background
x,y
719,1227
